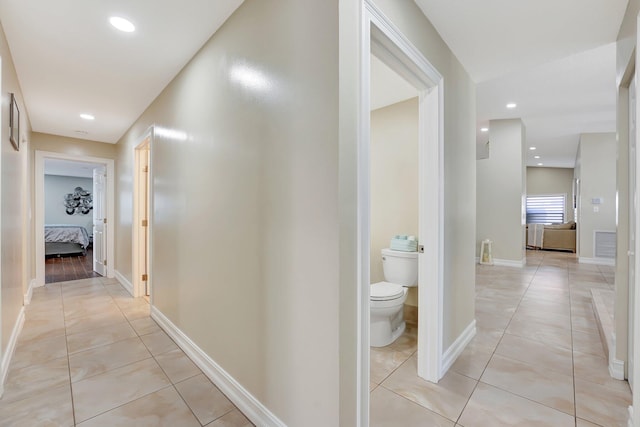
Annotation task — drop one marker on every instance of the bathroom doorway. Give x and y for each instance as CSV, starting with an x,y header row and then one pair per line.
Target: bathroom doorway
x,y
382,40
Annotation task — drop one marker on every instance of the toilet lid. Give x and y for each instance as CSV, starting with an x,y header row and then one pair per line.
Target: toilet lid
x,y
384,291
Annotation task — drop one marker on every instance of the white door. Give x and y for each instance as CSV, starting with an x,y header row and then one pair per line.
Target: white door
x,y
144,252
99,221
632,222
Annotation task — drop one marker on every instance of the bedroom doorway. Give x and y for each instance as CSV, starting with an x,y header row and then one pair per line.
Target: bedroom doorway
x,y
75,205
141,217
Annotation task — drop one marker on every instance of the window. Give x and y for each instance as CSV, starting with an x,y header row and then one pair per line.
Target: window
x,y
547,209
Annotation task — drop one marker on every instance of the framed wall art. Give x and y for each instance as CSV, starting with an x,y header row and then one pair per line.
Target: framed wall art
x,y
14,123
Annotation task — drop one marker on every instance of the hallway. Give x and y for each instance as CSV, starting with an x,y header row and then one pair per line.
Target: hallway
x,y
90,355
536,360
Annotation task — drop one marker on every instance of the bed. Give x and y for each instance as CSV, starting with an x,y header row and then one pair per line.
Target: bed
x,y
65,240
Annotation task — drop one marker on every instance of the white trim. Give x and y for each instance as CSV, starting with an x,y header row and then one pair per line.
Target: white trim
x,y
39,208
597,261
11,347
382,38
251,407
510,262
616,369
630,417
29,293
635,380
458,346
124,282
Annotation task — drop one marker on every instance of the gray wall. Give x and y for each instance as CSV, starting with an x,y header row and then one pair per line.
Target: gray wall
x,y
55,188
545,181
597,174
501,186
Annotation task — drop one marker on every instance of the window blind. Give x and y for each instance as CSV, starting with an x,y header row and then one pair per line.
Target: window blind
x,y
545,209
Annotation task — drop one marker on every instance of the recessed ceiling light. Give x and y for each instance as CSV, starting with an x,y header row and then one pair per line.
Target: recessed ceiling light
x,y
512,105
484,129
122,24
532,148
87,116
536,157
539,164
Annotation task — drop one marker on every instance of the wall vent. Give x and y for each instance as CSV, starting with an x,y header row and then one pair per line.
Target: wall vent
x,y
604,244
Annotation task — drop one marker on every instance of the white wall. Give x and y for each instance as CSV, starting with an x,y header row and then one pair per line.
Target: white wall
x,y
545,181
55,188
597,174
254,225
394,180
501,186
625,68
245,216
14,209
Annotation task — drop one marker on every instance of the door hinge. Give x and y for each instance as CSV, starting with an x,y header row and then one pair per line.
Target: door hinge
x,y
105,262
145,169
145,223
104,220
145,277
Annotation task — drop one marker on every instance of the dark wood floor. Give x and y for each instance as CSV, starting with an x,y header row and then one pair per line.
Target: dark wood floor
x,y
69,268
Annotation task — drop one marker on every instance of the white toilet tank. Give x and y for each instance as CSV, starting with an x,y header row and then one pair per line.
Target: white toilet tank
x,y
400,267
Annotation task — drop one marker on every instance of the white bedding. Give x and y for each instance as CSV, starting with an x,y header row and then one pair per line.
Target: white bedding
x,y
66,233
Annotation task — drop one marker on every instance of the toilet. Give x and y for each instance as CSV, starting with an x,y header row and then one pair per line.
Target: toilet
x,y
388,297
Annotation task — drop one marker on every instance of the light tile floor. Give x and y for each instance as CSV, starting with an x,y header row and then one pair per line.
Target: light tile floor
x,y
90,355
536,360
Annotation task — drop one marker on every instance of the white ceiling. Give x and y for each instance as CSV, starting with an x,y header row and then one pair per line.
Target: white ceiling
x,y
555,59
70,60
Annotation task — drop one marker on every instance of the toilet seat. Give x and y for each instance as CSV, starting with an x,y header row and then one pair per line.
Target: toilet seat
x,y
385,291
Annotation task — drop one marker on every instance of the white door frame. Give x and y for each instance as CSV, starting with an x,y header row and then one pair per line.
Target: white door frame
x,y
634,421
382,37
137,229
632,208
40,157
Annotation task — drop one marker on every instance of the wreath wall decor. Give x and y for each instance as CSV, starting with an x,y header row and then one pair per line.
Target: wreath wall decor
x,y
78,202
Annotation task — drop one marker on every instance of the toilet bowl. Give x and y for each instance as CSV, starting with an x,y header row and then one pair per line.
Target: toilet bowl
x,y
387,298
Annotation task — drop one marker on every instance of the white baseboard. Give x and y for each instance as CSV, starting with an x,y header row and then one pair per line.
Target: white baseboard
x,y
616,369
457,347
616,366
630,419
251,407
506,262
11,347
510,263
597,261
29,294
124,282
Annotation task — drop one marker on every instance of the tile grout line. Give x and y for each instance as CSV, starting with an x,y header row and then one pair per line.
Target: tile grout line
x,y
497,345
66,343
573,363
